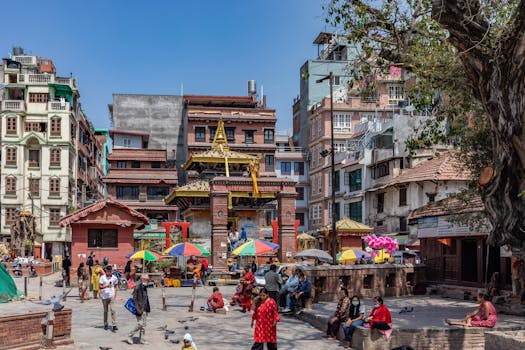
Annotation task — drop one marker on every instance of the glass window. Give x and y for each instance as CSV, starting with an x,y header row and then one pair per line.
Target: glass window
x,y
55,156
248,136
213,129
402,196
269,163
354,179
300,217
286,168
298,168
34,158
342,123
381,170
403,224
56,126
300,193
11,125
157,192
354,211
337,181
38,97
54,186
11,155
121,164
135,164
10,214
230,134
102,238
268,135
128,192
54,216
396,92
34,187
200,134
155,165
10,185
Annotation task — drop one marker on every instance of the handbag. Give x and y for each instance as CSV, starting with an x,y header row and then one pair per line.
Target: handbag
x,y
130,306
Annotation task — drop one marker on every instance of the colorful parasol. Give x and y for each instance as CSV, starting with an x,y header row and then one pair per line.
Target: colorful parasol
x,y
352,254
255,247
186,249
146,255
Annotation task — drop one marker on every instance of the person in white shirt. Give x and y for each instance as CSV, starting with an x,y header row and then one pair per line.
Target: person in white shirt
x,y
108,286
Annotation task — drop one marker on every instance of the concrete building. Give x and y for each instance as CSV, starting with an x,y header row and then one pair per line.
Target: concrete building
x,y
161,116
42,146
333,54
291,163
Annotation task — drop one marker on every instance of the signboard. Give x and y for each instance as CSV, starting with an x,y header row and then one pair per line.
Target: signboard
x,y
151,235
442,226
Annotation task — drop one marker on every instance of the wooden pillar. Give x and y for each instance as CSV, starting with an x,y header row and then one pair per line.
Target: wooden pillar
x,y
219,229
286,219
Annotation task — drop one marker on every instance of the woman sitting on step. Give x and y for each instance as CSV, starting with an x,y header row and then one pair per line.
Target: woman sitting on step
x,y
484,316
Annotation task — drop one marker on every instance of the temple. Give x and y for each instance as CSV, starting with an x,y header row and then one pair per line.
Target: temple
x,y
226,192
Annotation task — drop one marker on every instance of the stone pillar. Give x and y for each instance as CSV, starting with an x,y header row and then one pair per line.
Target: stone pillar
x,y
219,229
286,218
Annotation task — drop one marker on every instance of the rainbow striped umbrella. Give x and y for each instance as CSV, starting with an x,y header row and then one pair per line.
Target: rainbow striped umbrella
x,y
255,247
186,249
145,255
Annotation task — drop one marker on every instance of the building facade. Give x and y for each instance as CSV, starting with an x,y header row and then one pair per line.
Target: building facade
x,y
41,147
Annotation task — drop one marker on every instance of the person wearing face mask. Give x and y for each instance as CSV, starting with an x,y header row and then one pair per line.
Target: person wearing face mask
x,y
356,318
141,300
380,317
340,315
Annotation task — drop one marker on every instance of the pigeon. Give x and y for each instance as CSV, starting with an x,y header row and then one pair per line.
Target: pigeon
x,y
406,309
167,332
175,341
186,327
104,348
181,321
56,300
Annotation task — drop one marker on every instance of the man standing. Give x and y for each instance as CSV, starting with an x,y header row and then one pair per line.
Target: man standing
x,y
273,282
141,300
66,266
90,262
108,285
244,236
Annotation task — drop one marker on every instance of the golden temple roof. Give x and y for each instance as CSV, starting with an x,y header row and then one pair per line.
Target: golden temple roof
x,y
348,225
198,188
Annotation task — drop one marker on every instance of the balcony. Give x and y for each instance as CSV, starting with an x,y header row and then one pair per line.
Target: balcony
x,y
13,105
44,79
33,163
26,60
57,106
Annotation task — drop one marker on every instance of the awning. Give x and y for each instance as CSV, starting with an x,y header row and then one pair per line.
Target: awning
x,y
63,91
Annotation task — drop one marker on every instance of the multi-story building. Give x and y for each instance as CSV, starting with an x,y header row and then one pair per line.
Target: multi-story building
x,y
291,162
333,56
41,115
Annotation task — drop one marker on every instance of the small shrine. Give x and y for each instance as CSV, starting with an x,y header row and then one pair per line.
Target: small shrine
x,y
226,193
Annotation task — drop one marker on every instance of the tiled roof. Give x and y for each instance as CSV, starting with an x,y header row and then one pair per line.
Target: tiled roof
x,y
448,206
445,167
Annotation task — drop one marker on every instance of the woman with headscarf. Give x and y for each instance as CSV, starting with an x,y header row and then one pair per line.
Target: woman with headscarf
x,y
189,344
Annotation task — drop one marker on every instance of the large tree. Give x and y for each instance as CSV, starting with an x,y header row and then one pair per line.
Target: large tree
x,y
468,60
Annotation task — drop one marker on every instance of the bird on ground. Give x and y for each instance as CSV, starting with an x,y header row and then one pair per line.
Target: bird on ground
x,y
104,348
56,300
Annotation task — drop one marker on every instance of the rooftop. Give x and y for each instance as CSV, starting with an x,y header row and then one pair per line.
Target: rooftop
x,y
154,155
449,206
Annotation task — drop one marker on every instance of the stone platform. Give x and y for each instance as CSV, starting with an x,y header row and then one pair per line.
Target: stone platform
x,y
422,328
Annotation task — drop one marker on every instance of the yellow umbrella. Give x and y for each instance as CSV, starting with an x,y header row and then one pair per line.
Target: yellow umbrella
x,y
380,258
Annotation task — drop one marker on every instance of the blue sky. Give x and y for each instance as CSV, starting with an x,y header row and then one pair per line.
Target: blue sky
x,y
152,47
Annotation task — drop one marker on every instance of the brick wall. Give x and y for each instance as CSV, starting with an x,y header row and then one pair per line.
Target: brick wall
x,y
25,330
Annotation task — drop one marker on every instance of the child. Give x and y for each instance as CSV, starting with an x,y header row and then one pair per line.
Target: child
x,y
215,301
189,344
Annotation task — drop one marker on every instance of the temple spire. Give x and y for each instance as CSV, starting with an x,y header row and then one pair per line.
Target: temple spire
x,y
220,142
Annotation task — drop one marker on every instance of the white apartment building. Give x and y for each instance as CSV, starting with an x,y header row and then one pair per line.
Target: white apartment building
x,y
39,133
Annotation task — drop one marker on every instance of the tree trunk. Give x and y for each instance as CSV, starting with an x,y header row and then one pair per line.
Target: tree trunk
x,y
496,76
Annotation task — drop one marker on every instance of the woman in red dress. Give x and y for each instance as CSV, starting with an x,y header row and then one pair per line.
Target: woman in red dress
x,y
247,286
484,316
265,317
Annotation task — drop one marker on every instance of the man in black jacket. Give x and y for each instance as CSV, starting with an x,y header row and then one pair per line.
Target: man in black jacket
x,y
141,300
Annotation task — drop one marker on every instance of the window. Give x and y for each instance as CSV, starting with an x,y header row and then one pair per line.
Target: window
x,y
126,142
402,196
34,158
366,117
269,135
396,92
380,170
54,186
300,217
380,202
34,126
200,134
286,168
135,164
157,192
54,216
102,238
337,80
230,134
340,147
128,192
10,214
10,185
354,211
300,193
338,211
121,164
298,168
269,163
54,156
11,125
56,126
403,224
10,155
34,187
248,136
155,165
337,181
431,197
320,183
38,97
342,123
213,129
354,180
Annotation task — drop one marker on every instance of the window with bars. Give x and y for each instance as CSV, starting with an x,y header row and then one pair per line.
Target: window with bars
x,y
269,162
11,125
354,211
342,123
54,216
121,164
56,126
157,193
248,136
269,135
54,186
10,185
10,215
38,97
10,155
34,187
102,238
396,92
54,159
230,134
128,192
403,224
298,168
381,170
200,134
